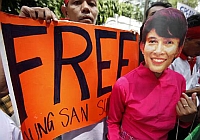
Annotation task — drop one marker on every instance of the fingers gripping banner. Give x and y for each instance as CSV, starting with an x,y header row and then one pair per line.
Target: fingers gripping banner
x,y
62,73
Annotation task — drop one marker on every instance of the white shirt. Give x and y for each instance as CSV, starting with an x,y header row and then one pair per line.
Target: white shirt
x,y
8,129
183,67
93,132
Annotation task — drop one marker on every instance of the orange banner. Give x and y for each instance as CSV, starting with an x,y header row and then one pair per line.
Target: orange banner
x,y
62,73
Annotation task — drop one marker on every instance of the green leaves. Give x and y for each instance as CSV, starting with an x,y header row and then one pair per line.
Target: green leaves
x,y
191,3
13,6
107,8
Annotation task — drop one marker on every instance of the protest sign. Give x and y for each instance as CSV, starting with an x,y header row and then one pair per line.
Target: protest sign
x,y
61,74
187,10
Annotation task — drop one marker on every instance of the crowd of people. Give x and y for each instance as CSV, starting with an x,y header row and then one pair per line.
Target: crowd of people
x,y
164,102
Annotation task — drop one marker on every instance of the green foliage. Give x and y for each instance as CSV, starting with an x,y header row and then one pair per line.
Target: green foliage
x,y
107,8
13,6
191,3
128,10
54,5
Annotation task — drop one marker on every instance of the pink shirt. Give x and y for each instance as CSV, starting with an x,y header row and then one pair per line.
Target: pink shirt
x,y
144,107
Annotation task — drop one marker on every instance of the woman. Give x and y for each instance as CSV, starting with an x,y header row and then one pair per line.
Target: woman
x,y
145,103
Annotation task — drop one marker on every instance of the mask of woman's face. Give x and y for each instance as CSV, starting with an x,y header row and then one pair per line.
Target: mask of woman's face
x,y
84,11
159,52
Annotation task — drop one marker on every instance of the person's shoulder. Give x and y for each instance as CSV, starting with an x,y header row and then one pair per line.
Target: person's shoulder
x,y
6,125
8,129
125,79
132,72
178,61
5,118
129,75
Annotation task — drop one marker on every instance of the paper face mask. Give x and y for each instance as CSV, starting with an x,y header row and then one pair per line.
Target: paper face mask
x,y
162,38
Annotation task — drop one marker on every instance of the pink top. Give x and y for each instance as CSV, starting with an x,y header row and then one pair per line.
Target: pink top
x,y
144,107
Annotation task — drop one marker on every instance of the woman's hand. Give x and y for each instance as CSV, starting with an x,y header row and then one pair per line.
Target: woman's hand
x,y
186,108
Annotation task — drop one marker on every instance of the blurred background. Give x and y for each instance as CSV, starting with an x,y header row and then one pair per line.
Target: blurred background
x,y
122,14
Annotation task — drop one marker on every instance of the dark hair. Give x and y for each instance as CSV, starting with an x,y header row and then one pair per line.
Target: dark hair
x,y
158,3
168,23
193,20
165,5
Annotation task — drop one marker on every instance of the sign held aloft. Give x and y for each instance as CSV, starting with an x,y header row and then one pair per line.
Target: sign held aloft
x,y
61,74
187,10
